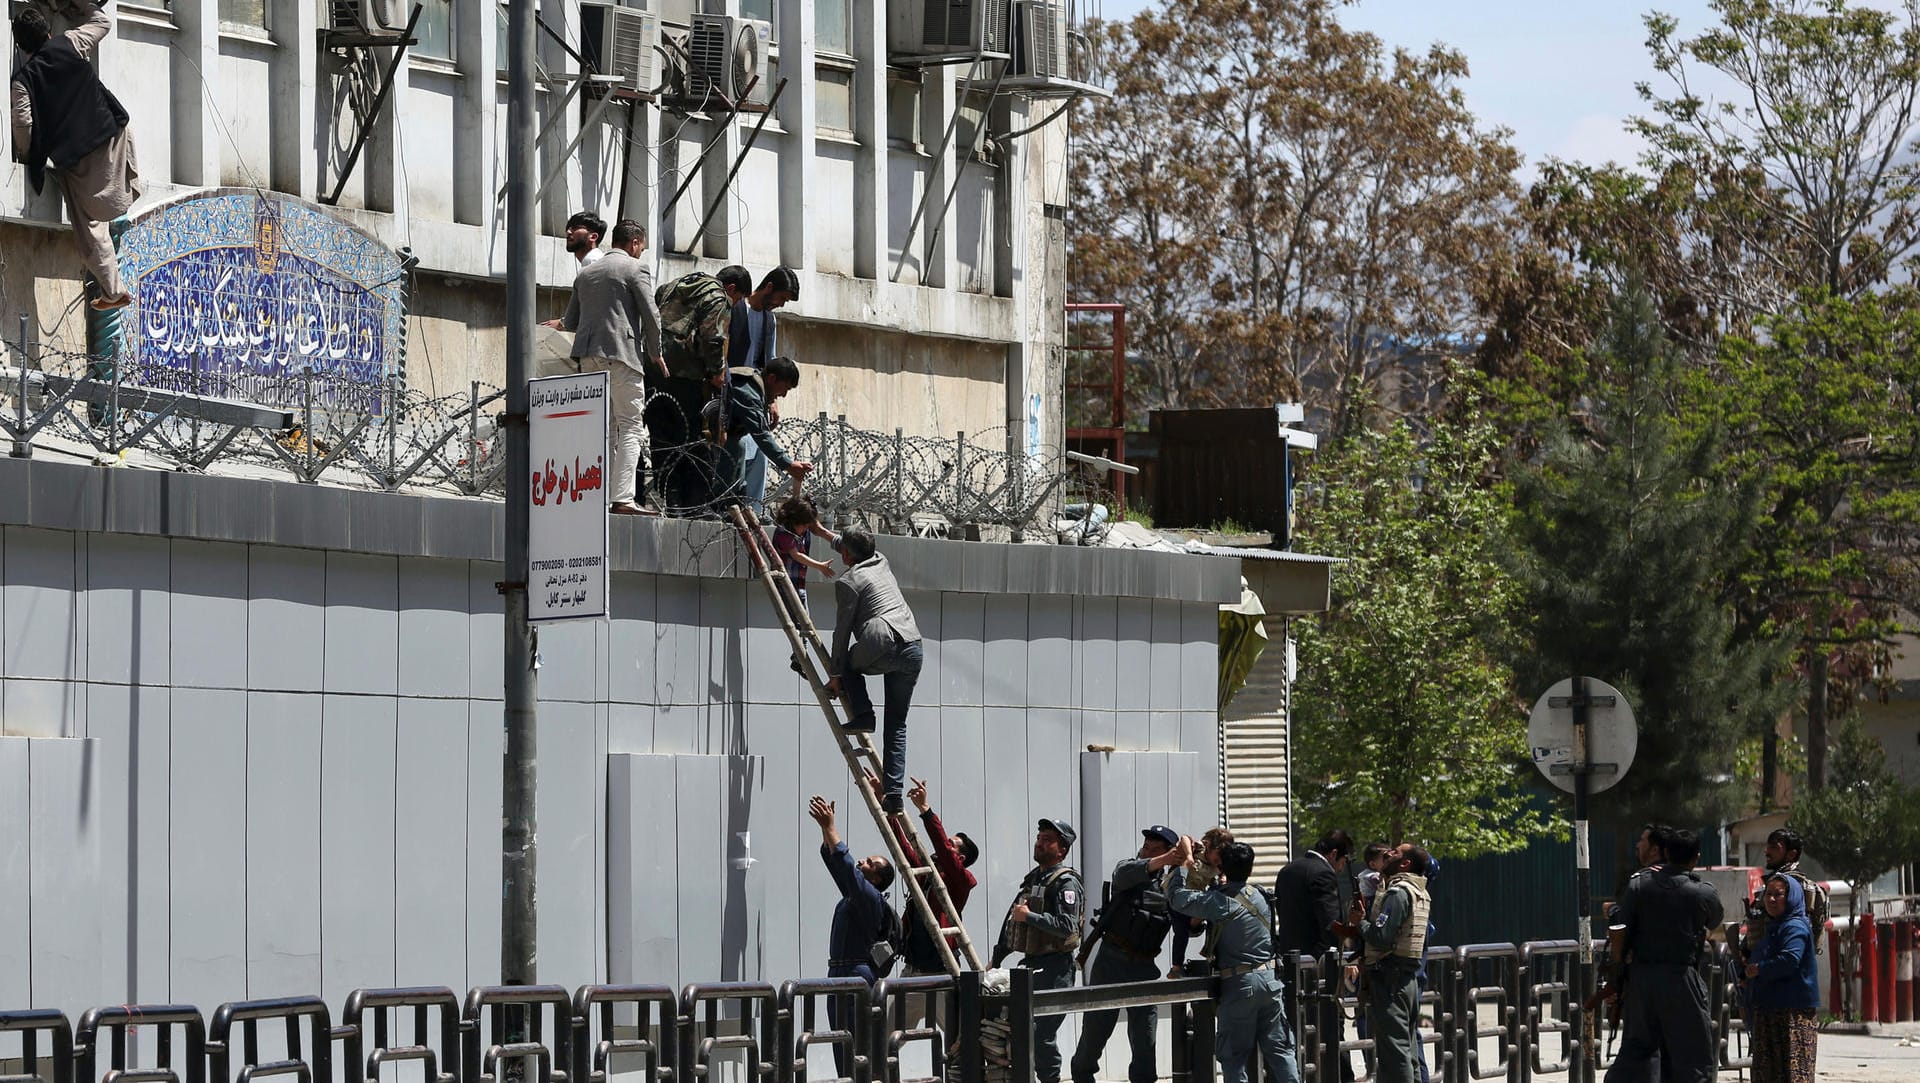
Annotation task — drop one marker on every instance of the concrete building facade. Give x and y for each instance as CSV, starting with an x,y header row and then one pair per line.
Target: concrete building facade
x,y
931,330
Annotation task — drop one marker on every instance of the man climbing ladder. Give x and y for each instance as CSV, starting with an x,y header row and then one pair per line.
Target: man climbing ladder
x,y
925,889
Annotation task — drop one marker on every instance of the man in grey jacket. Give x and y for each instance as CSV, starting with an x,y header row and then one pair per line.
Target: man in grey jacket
x,y
617,331
874,634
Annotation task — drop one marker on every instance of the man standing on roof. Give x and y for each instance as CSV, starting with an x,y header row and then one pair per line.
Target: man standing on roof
x,y
1044,926
65,118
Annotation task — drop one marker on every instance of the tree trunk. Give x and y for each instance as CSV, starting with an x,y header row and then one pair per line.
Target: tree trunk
x,y
1817,721
1769,768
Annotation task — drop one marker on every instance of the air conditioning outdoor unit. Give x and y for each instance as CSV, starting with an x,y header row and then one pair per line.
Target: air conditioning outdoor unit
x,y
727,57
370,15
622,42
948,27
1041,43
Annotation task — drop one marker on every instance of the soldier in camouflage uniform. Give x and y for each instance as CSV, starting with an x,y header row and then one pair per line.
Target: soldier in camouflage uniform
x,y
1044,927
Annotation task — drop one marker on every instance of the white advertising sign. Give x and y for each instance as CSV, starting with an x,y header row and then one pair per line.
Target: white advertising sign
x,y
567,532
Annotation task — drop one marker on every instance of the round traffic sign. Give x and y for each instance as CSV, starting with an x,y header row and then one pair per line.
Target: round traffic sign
x,y
1612,735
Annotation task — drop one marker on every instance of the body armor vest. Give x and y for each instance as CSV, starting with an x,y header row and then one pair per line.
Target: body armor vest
x,y
1411,941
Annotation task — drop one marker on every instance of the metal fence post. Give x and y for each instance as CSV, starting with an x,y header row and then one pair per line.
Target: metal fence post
x,y
1020,1024
21,448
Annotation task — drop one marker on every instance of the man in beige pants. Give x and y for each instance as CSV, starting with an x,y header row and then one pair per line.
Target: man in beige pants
x,y
63,117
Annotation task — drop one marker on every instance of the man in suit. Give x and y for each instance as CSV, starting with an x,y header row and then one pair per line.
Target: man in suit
x,y
751,343
617,331
874,634
64,118
1306,898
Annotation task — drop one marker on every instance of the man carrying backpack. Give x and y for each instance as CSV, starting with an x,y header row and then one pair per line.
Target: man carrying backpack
x,y
1130,931
696,311
862,919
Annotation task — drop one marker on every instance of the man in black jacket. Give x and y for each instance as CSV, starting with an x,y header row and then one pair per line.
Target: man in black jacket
x,y
742,414
63,117
1306,900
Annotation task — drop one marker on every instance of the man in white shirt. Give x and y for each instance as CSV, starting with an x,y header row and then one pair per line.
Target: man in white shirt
x,y
584,231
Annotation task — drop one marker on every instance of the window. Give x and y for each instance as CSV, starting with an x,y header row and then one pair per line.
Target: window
x,y
245,14
767,11
903,109
434,31
833,97
830,24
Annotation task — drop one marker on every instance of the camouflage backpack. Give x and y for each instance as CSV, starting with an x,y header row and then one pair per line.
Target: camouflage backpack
x,y
694,312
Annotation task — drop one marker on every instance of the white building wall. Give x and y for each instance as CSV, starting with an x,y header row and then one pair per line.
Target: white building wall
x,y
831,195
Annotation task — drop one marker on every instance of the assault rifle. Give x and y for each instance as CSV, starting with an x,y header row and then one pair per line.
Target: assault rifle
x,y
1609,999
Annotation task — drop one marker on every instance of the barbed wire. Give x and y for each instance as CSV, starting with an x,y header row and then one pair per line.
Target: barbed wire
x,y
380,434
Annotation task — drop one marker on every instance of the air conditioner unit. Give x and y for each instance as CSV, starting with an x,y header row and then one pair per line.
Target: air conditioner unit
x,y
621,41
727,58
948,27
1040,45
370,15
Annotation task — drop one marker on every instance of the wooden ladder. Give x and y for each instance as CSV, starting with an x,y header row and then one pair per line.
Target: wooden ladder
x,y
925,890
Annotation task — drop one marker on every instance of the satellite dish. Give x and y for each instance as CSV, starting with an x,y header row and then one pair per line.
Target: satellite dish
x,y
1612,735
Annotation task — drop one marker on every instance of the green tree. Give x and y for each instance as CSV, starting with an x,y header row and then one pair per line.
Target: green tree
x,y
1404,719
1859,827
1626,551
1821,409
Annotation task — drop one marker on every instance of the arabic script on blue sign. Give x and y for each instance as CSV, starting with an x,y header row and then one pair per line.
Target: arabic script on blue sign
x,y
239,294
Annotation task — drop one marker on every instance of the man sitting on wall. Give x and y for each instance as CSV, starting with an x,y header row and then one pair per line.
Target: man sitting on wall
x,y
64,117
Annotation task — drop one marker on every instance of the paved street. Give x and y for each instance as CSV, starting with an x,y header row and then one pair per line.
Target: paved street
x,y
1893,1053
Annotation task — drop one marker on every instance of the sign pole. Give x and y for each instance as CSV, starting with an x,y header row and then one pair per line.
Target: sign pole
x,y
1582,864
520,692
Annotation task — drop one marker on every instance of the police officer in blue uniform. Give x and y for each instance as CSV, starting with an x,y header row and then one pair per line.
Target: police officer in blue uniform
x,y
860,918
1667,912
1044,926
1252,1013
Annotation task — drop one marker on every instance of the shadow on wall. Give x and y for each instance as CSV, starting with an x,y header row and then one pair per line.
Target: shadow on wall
x,y
885,379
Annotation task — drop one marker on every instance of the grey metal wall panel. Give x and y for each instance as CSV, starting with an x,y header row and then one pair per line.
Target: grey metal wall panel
x,y
1153,795
1200,657
320,515
485,625
1163,691
1096,626
44,708
16,911
746,803
1004,654
1164,731
642,812
1200,734
701,879
131,731
769,679
1132,731
208,907
433,627
129,609
1133,630
485,741
283,860
430,842
567,824
209,615
363,624
821,771
569,661
961,800
44,625
631,672
680,674
1098,728
69,964
1006,848
1050,673
723,647
1108,815
963,657
601,737
135,501
926,605
679,729
630,728
67,501
359,734
1051,775
286,606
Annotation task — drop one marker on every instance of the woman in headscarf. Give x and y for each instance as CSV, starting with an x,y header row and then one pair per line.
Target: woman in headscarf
x,y
1783,989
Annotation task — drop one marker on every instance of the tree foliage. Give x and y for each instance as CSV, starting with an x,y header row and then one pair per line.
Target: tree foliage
x,y
1623,549
1289,210
1404,719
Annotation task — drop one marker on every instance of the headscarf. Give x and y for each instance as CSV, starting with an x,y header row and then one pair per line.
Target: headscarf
x,y
1778,928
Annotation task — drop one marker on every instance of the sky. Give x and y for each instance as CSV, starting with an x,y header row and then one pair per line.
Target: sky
x,y
1559,73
